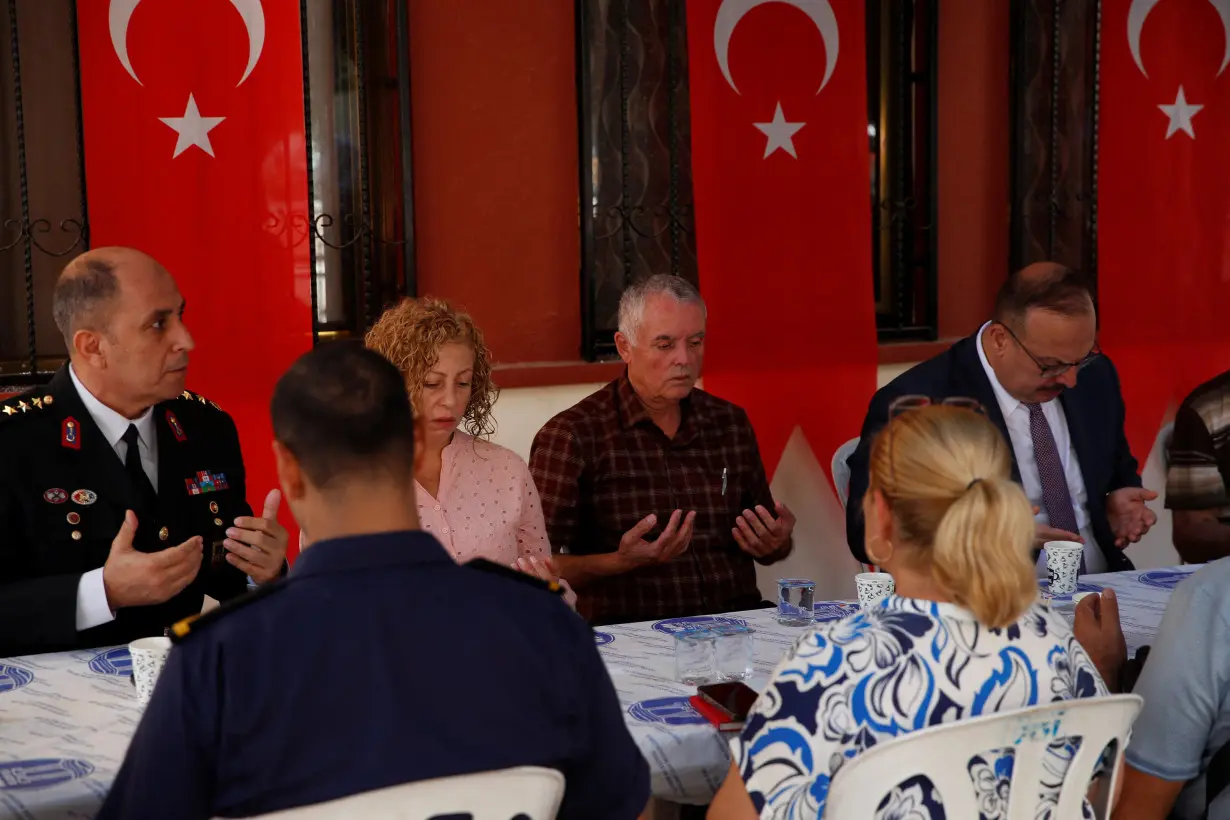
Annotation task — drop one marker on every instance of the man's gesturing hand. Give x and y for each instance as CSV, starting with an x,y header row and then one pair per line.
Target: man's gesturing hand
x,y
133,578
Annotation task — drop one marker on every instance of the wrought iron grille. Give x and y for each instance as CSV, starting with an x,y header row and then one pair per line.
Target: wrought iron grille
x,y
1054,159
42,183
901,122
635,155
356,72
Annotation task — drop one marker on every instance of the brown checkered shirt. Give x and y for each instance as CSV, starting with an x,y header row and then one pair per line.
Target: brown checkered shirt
x,y
1199,455
603,465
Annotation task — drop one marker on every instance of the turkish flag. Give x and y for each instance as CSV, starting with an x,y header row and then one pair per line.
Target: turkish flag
x,y
781,175
1163,203
194,153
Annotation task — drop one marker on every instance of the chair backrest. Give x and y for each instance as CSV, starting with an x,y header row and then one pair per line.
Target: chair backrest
x,y
942,754
841,473
528,791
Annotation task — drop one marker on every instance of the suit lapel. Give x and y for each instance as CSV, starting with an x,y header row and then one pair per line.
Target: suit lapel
x,y
973,377
1078,434
93,457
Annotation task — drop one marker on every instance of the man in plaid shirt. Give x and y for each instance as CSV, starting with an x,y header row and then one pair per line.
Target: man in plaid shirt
x,y
655,497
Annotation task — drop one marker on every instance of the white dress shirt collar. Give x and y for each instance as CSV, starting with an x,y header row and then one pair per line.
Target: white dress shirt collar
x,y
110,423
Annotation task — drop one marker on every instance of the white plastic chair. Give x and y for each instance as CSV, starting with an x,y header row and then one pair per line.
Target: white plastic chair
x,y
841,473
500,795
942,754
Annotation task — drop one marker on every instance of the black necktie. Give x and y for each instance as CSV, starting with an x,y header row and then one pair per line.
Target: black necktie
x,y
136,473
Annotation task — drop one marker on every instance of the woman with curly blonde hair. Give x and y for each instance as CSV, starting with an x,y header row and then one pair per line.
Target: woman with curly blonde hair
x,y
477,498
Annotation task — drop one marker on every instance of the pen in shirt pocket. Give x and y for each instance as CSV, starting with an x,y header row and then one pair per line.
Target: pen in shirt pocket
x,y
723,481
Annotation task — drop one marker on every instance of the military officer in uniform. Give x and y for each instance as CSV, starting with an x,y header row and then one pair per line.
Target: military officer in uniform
x,y
122,494
397,668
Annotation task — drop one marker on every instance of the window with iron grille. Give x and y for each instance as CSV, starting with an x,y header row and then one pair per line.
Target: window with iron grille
x,y
636,191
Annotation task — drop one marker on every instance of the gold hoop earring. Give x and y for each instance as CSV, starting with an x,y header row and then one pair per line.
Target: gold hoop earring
x,y
879,562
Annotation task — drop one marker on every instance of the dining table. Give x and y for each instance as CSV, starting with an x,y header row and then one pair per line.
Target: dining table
x,y
66,718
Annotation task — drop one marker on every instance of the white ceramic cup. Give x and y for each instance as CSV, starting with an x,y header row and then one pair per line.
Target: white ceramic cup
x,y
148,657
873,587
1063,562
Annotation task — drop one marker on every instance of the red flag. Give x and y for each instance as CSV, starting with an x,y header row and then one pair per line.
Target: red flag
x,y
194,153
783,225
1164,202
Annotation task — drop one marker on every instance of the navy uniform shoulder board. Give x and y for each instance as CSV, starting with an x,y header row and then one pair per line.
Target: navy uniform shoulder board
x,y
17,407
197,398
483,565
194,623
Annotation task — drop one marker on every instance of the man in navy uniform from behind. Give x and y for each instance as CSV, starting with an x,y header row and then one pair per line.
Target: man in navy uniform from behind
x,y
378,660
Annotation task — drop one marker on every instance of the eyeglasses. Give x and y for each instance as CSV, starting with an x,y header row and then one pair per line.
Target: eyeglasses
x,y
902,404
1056,369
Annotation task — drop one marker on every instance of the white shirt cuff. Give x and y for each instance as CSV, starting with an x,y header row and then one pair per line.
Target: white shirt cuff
x,y
92,607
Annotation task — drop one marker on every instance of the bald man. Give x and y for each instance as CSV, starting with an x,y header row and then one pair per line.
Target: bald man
x,y
122,494
1036,371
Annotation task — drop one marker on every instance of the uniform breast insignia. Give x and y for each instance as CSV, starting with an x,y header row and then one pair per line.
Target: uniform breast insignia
x,y
483,565
206,482
70,434
84,497
55,496
195,623
176,428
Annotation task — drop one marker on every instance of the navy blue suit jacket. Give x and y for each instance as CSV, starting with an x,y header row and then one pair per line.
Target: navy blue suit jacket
x,y
1094,411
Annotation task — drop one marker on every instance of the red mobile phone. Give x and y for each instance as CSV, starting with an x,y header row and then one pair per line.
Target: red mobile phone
x,y
735,699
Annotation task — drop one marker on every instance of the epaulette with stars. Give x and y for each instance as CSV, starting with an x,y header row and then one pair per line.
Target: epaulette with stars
x,y
483,565
188,395
194,623
23,405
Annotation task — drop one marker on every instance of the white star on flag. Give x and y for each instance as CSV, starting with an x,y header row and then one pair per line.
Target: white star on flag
x,y
1180,114
780,133
193,129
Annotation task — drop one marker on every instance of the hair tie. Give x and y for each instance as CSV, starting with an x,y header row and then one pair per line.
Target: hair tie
x,y
970,485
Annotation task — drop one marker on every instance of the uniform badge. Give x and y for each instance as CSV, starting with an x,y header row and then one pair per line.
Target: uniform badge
x,y
175,427
206,480
84,497
55,496
70,434
220,481
73,518
193,487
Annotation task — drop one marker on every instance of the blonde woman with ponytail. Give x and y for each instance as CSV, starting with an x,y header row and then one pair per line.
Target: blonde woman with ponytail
x,y
964,635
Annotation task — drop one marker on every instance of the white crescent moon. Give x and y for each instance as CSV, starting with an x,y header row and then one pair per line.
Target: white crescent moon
x,y
1139,11
253,14
118,16
821,13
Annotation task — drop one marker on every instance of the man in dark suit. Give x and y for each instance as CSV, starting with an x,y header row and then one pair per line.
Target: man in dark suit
x,y
122,494
1070,452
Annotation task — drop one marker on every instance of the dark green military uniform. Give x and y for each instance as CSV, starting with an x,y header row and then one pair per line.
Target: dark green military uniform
x,y
63,494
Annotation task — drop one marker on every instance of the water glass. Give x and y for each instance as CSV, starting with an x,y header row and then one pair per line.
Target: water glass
x,y
795,599
694,656
734,651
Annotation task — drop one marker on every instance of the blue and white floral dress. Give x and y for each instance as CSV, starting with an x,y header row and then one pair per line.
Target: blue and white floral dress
x,y
899,667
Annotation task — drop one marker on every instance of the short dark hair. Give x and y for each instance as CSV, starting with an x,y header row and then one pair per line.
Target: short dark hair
x,y
342,409
82,295
1055,288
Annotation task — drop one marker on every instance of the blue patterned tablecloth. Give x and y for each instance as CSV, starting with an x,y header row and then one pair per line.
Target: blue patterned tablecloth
x,y
66,718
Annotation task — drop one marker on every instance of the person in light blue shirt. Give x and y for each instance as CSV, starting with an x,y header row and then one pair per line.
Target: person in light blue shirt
x,y
1186,717
963,636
